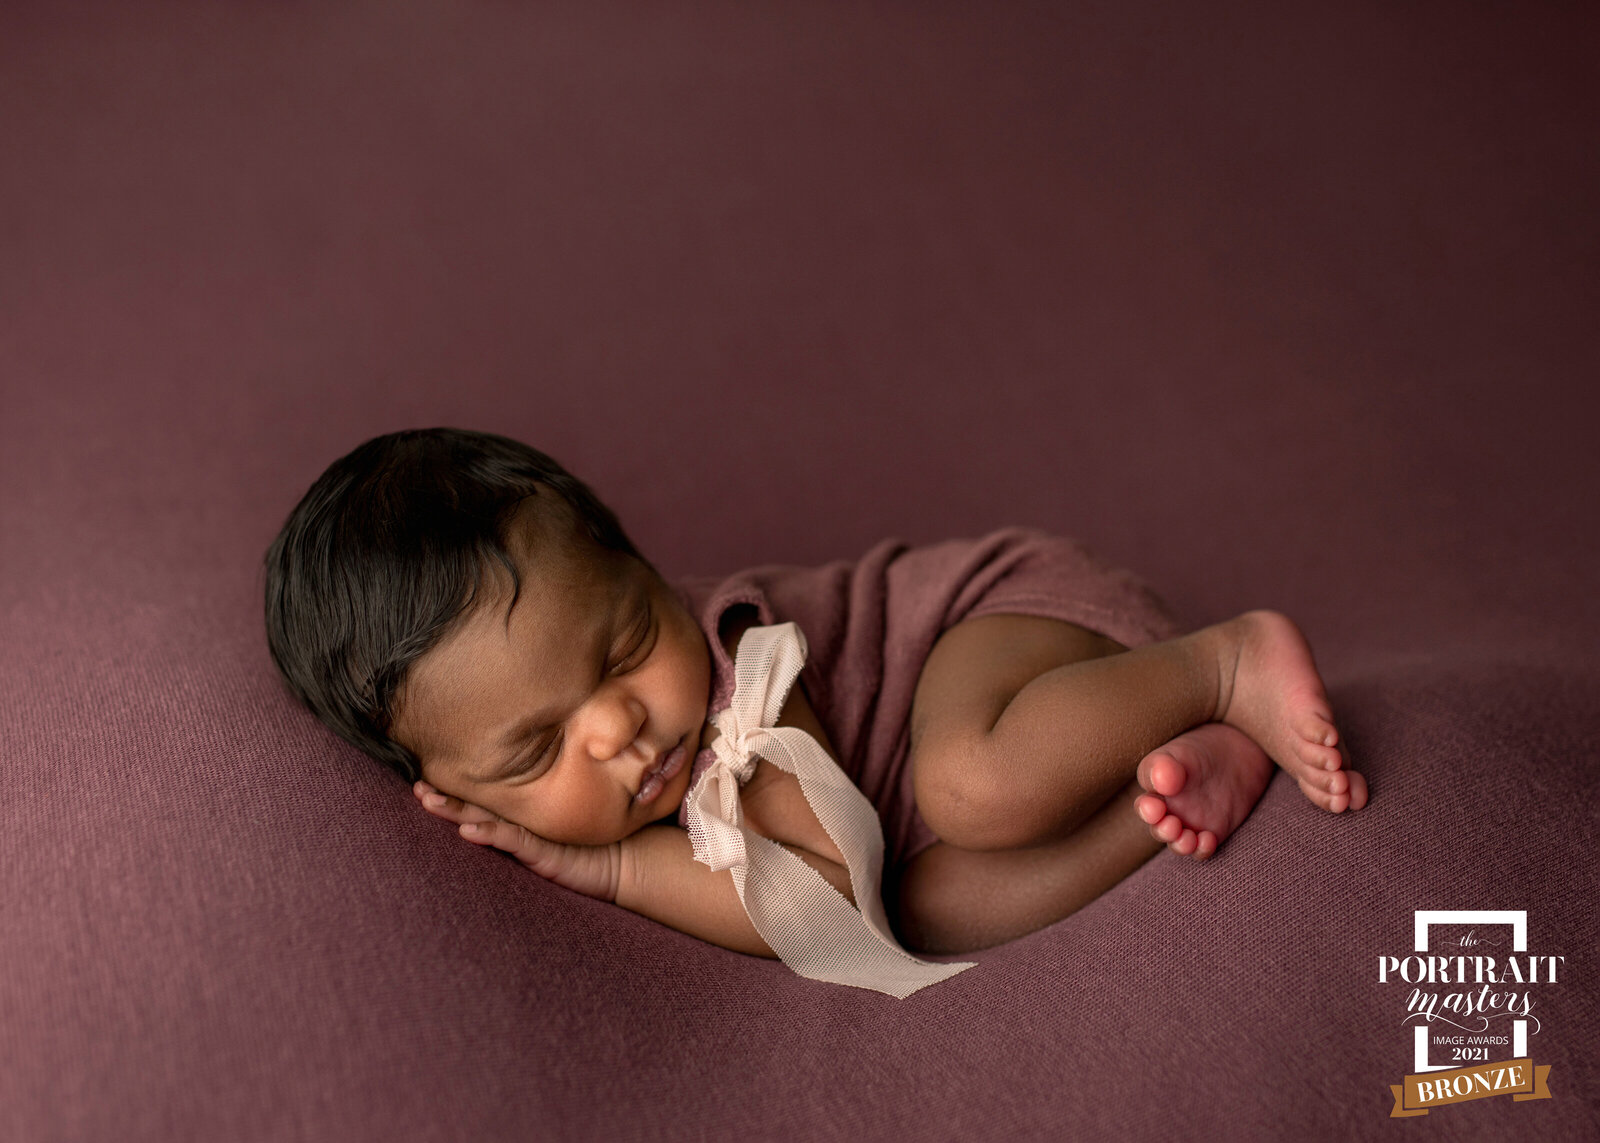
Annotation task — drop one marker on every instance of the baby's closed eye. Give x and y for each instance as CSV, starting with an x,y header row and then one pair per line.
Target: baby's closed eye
x,y
549,748
637,646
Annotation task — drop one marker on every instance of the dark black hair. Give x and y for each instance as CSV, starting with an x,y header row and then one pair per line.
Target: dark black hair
x,y
384,552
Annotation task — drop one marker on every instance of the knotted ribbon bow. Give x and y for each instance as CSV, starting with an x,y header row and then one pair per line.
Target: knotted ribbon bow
x,y
810,925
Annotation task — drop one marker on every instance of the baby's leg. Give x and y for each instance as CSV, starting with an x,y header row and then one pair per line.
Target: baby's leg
x,y
974,671
1012,750
950,901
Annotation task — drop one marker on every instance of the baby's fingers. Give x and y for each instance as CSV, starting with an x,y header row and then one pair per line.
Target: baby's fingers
x,y
526,846
590,869
451,809
502,835
510,838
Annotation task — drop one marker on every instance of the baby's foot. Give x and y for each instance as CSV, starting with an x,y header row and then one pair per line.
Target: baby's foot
x,y
1271,691
1200,786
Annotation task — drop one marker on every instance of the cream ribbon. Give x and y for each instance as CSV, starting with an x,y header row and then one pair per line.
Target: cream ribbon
x,y
810,925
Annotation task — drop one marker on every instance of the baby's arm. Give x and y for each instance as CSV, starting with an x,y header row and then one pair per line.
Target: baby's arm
x,y
653,872
662,880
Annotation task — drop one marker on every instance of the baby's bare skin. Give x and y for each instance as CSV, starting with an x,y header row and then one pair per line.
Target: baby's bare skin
x,y
1202,784
1270,689
1031,740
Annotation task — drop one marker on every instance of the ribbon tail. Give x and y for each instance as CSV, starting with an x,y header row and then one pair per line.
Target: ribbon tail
x,y
850,820
817,932
813,928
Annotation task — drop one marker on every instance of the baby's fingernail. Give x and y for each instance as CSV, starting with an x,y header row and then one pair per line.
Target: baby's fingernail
x,y
433,799
469,827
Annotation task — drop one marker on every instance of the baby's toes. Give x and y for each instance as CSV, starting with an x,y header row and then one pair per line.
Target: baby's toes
x,y
1322,798
1314,756
1358,790
1316,727
1205,845
1167,776
1150,809
1185,844
1327,781
1169,828
1160,772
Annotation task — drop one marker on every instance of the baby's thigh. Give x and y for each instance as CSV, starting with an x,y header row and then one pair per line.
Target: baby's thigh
x,y
974,671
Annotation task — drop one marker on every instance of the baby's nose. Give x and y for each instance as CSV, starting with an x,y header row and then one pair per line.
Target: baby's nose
x,y
617,725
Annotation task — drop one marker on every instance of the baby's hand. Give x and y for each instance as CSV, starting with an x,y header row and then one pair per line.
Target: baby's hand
x,y
594,870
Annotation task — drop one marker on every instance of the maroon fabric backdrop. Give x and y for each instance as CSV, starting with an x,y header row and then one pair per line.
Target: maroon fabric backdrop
x,y
1277,308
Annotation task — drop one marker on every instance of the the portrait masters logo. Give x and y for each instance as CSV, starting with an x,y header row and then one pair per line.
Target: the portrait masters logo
x,y
1470,986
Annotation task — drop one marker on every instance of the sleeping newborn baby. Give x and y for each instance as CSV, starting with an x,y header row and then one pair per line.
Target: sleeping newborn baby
x,y
929,751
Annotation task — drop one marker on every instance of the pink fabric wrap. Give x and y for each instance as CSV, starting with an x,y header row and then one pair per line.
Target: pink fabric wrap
x,y
871,624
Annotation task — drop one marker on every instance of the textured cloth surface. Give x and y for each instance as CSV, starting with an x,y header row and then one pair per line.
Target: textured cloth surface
x,y
871,623
1279,305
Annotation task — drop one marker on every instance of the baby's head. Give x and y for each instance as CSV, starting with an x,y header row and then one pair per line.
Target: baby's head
x,y
465,611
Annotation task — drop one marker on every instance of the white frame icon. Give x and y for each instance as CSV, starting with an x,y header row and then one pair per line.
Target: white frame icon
x,y
1518,920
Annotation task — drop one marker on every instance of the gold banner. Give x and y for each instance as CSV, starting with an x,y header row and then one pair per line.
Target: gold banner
x,y
1519,1079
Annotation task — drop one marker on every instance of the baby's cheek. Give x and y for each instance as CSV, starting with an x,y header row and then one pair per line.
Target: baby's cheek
x,y
529,807
672,797
697,679
579,817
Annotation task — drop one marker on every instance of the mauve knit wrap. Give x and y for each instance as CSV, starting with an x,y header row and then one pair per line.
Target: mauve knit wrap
x,y
871,624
